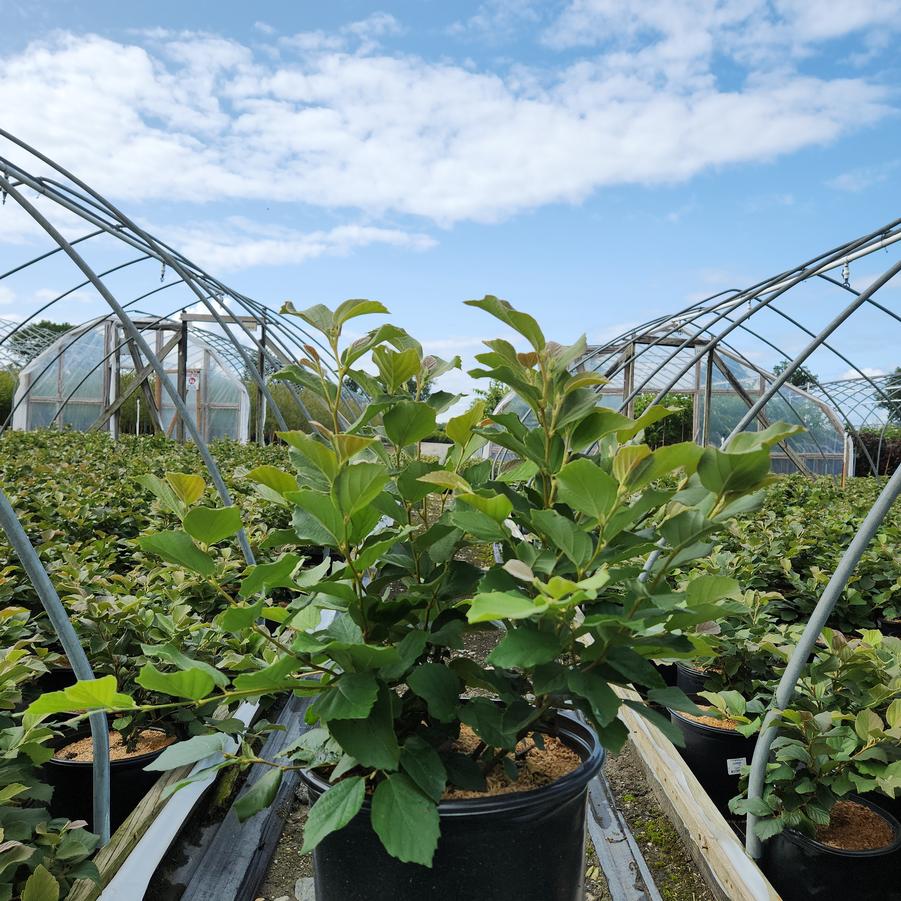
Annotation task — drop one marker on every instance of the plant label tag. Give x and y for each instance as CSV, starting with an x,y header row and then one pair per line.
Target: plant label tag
x,y
734,765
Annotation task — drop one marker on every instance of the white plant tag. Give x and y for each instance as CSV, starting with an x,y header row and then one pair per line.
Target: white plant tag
x,y
734,765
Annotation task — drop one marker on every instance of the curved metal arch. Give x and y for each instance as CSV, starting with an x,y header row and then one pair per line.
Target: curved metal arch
x,y
161,254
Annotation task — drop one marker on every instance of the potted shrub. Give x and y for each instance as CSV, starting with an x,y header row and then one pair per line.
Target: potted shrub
x,y
131,628
838,751
740,651
719,741
747,649
428,769
40,856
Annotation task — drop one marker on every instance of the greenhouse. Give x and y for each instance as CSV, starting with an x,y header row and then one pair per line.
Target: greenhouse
x,y
85,376
257,639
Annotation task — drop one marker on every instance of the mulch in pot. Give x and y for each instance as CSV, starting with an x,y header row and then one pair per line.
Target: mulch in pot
x,y
855,827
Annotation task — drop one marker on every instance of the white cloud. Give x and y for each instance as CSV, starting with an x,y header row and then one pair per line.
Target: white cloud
x,y
239,243
865,177
870,371
681,35
497,20
330,120
7,295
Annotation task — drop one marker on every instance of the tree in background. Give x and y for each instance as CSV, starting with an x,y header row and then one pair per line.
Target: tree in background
x,y
802,377
492,395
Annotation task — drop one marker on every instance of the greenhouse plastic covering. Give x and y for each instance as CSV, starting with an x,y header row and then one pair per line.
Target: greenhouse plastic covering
x,y
71,383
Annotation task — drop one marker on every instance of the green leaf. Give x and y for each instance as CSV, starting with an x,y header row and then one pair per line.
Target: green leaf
x,y
422,763
564,534
709,589
266,576
278,675
372,740
524,647
163,493
773,434
190,751
272,483
519,322
405,820
178,548
322,457
446,479
675,699
171,654
350,309
586,488
357,486
42,885
351,696
319,316
396,367
604,702
648,417
210,525
496,506
322,508
192,684
478,524
333,810
408,422
188,487
439,687
259,796
459,428
633,666
502,605
86,694
234,619
727,473
486,719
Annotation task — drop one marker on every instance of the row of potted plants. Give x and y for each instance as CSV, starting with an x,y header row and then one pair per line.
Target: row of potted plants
x,y
428,769
834,769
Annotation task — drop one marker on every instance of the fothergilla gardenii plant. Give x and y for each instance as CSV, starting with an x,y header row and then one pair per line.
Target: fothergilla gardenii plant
x,y
573,504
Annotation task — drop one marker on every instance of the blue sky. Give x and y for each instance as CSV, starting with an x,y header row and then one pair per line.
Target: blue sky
x,y
595,162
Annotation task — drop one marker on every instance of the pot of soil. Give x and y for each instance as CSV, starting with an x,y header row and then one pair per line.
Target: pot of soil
x,y
855,856
691,679
513,845
890,627
715,752
70,772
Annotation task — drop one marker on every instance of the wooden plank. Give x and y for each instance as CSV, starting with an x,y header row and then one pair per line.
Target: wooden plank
x,y
715,848
237,858
123,841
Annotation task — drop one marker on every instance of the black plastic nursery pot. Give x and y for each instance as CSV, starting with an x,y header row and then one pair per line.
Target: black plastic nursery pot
x,y
715,755
801,868
73,784
890,627
666,670
509,847
691,680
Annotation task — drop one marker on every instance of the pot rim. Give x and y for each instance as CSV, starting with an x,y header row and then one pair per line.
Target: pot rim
x,y
706,727
64,740
582,739
690,668
799,838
